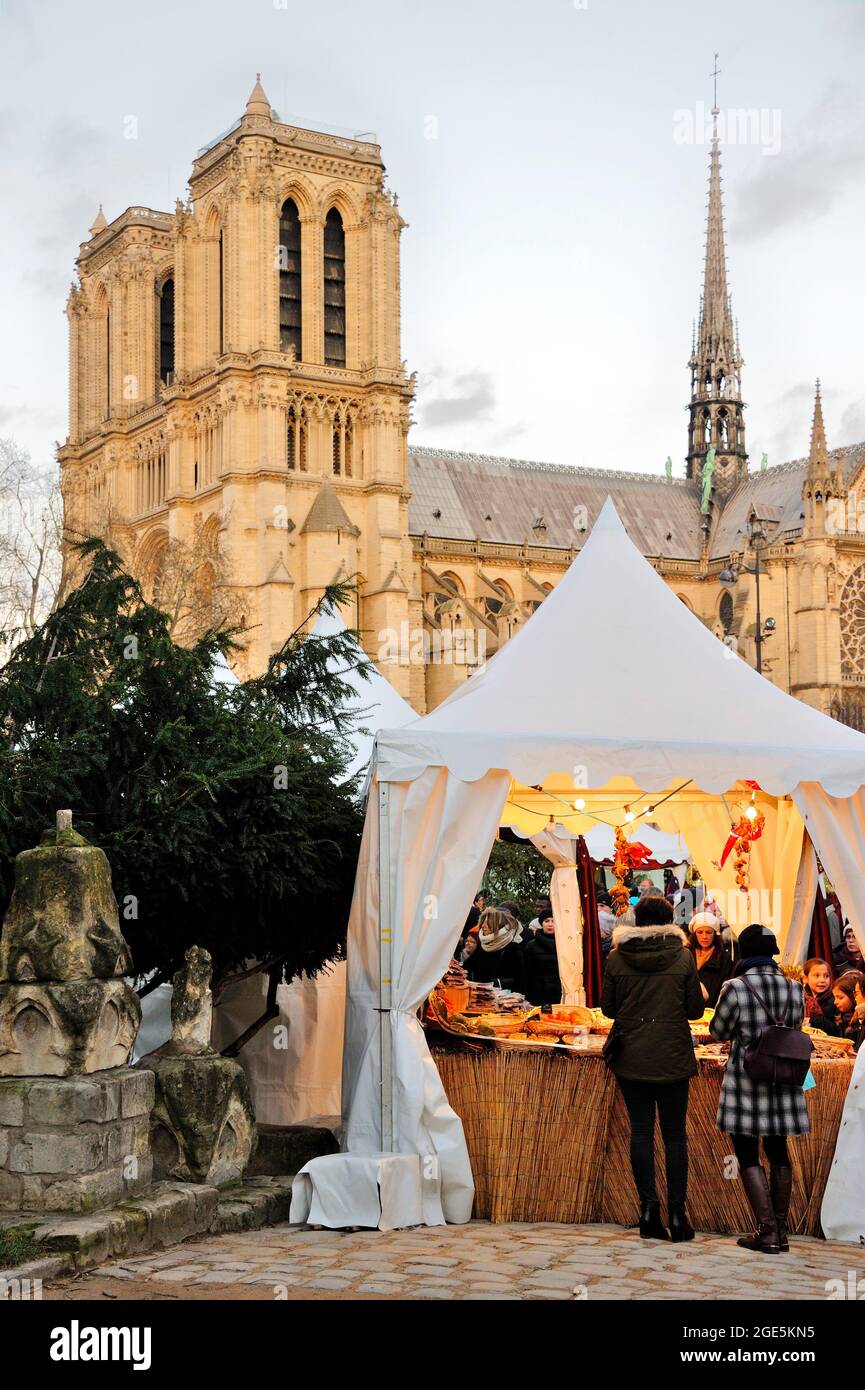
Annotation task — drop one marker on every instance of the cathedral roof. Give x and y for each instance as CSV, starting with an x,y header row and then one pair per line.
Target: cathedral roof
x,y
466,497
776,494
462,496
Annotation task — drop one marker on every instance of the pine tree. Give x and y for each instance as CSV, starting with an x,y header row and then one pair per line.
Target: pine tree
x,y
222,809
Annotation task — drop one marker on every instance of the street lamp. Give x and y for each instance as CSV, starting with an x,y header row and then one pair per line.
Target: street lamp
x,y
757,536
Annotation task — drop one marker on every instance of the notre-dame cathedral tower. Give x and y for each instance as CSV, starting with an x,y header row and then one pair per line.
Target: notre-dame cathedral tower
x,y
235,369
716,404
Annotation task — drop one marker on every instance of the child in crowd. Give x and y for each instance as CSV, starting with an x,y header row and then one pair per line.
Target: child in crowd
x,y
844,992
857,1027
820,1010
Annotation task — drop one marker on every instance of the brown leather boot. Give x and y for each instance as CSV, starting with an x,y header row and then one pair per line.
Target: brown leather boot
x,y
765,1238
781,1184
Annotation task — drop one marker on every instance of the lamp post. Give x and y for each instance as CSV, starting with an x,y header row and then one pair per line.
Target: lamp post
x,y
729,578
756,535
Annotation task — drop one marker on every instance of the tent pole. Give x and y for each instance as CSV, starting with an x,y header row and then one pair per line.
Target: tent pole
x,y
385,1035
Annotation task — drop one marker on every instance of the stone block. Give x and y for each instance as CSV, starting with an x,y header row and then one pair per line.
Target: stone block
x,y
139,1092
202,1124
85,1192
61,1029
72,1100
284,1149
12,1097
53,1151
11,1191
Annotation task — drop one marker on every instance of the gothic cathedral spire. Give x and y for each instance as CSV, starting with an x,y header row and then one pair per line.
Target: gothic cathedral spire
x,y
715,411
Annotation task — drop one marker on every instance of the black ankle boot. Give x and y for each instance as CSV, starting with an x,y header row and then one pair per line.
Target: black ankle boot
x,y
680,1226
651,1225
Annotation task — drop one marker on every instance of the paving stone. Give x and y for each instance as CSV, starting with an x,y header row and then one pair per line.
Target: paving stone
x,y
550,1279
325,1282
181,1275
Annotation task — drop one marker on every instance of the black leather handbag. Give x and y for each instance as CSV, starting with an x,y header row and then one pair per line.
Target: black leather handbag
x,y
781,1055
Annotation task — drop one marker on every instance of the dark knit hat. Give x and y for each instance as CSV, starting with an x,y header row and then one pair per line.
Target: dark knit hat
x,y
758,941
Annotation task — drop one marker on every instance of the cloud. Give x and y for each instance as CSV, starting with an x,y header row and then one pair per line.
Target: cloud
x,y
789,419
459,400
810,174
852,427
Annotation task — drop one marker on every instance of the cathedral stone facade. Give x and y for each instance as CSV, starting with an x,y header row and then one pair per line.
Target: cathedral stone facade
x,y
235,375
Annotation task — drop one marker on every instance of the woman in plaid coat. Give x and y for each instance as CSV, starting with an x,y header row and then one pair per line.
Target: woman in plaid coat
x,y
750,1110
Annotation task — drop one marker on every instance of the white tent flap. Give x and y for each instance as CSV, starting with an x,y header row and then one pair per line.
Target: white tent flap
x,y
440,833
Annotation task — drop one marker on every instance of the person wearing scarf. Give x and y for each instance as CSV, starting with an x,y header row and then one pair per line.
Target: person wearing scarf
x,y
711,957
499,956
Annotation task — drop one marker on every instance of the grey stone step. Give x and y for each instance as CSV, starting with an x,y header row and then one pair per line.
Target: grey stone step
x,y
165,1215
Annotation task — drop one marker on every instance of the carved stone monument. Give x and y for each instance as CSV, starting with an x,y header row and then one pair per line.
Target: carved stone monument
x,y
203,1123
73,1117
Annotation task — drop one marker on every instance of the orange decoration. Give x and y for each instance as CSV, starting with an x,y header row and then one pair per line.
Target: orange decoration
x,y
743,834
629,854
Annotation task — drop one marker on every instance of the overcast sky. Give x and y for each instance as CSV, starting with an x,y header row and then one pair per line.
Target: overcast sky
x,y
549,160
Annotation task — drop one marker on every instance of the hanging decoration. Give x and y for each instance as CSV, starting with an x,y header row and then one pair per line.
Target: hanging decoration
x,y
629,855
744,831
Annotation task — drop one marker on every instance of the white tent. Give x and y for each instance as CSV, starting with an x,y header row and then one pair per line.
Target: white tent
x,y
651,737
301,1081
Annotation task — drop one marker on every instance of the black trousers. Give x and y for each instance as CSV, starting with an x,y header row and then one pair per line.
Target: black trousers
x,y
746,1147
671,1101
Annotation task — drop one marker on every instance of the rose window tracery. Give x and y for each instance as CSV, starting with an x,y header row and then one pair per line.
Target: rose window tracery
x,y
853,624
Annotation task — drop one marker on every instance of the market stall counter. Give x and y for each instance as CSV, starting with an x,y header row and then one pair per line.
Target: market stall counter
x,y
547,1130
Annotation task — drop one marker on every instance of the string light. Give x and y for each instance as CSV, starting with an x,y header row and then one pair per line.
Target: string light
x,y
751,812
579,805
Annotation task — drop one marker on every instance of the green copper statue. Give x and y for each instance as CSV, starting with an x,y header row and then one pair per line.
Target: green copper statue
x,y
764,463
668,467
708,470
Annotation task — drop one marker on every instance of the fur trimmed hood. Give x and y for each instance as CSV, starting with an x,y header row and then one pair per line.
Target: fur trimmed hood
x,y
623,934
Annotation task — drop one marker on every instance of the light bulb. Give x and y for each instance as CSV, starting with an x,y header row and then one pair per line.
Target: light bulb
x,y
751,813
629,815
579,804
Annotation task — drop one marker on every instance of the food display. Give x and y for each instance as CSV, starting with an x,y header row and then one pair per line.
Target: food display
x,y
826,1046
503,1016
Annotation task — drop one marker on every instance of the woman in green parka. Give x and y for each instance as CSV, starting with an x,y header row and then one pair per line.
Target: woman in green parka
x,y
651,990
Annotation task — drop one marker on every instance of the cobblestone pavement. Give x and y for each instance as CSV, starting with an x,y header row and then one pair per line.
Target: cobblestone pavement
x,y
477,1261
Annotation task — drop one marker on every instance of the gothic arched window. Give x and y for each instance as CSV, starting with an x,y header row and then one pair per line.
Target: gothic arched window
x,y
221,294
107,363
334,290
722,429
725,613
290,280
295,441
166,330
